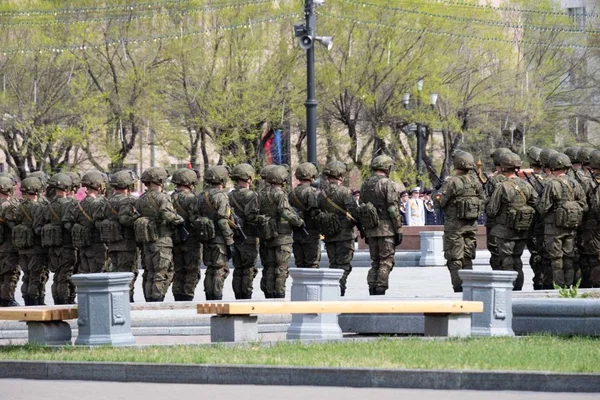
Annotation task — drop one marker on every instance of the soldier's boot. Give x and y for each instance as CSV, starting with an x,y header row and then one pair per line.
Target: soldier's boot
x,y
279,295
41,301
538,286
268,295
26,300
177,297
342,292
58,301
238,296
217,297
186,297
3,303
34,301
246,296
372,291
458,289
379,292
130,298
209,296
12,303
63,300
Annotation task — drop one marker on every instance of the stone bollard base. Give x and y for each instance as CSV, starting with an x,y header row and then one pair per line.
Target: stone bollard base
x,y
448,325
234,328
56,333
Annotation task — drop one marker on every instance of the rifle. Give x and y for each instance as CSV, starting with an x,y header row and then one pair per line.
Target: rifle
x,y
594,178
234,223
182,232
531,183
479,177
438,182
576,176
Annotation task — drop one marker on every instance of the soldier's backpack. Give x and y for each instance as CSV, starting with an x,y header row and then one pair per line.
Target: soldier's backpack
x,y
81,235
110,229
267,227
469,208
328,223
52,234
367,215
205,229
22,234
145,230
569,214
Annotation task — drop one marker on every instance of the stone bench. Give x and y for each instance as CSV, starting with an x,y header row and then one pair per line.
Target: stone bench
x,y
237,322
45,325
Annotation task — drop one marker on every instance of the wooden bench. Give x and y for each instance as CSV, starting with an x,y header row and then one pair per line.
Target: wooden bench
x,y
45,324
318,319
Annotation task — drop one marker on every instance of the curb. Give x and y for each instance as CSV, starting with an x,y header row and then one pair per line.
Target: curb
x,y
302,376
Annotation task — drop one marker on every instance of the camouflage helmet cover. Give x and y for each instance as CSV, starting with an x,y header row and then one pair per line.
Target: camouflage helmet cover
x,y
595,159
497,153
265,170
573,153
94,180
509,160
184,177
277,175
584,155
76,178
545,156
216,175
243,172
60,181
31,185
560,161
306,171
123,179
463,161
382,163
336,169
533,154
7,185
156,175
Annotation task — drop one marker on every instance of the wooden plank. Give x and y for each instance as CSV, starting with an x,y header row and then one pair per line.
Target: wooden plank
x,y
340,307
41,313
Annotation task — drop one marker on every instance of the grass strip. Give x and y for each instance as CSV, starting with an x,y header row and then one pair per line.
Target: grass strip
x,y
531,353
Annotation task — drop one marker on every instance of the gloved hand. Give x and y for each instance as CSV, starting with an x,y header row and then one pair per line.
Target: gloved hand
x,y
397,239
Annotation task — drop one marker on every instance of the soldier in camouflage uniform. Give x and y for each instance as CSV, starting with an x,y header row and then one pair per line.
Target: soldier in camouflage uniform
x,y
535,241
158,219
461,197
9,256
117,226
187,254
591,238
307,249
512,207
275,209
61,252
588,234
383,194
213,204
76,178
32,256
82,220
562,205
336,202
44,200
489,187
244,202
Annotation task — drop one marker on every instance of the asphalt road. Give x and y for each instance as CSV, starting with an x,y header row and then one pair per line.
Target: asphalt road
x,y
17,389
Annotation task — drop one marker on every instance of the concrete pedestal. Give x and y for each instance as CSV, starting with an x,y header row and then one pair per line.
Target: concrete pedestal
x,y
448,325
55,333
432,249
104,309
315,285
234,328
494,289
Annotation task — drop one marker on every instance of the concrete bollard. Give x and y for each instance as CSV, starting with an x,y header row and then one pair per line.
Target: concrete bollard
x,y
104,309
315,285
494,289
432,249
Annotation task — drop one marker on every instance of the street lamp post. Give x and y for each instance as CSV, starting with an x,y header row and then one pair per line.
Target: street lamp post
x,y
305,34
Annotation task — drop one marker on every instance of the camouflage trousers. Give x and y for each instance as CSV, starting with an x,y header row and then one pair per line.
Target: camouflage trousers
x,y
307,250
459,251
510,255
244,272
9,275
125,261
538,256
62,263
275,270
214,256
589,259
33,265
93,259
340,256
492,246
381,250
561,250
187,261
158,271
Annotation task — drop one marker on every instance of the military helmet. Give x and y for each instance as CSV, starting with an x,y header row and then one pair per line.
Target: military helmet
x,y
572,153
242,172
156,175
560,161
31,185
306,171
9,176
278,175
497,153
382,163
533,154
76,178
337,169
463,161
93,180
545,156
60,181
123,179
595,159
584,155
7,185
184,177
41,175
509,160
216,175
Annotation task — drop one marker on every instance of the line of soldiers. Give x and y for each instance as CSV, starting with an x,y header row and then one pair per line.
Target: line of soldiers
x,y
552,210
48,229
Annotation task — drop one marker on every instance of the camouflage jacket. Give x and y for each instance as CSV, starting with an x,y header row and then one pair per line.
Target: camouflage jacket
x,y
490,186
185,203
7,212
244,203
304,200
511,193
273,202
157,206
57,212
454,188
213,203
383,194
342,197
28,213
112,211
558,190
